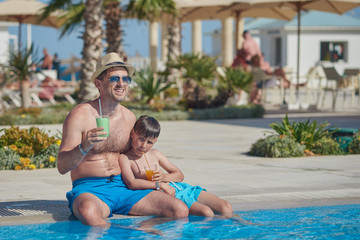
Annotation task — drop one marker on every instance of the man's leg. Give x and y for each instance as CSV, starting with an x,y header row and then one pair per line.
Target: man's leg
x,y
160,204
90,210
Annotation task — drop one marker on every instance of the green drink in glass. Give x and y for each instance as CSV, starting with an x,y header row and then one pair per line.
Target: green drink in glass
x,y
103,122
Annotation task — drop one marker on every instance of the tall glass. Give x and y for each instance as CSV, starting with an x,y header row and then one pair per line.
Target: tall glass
x,y
103,121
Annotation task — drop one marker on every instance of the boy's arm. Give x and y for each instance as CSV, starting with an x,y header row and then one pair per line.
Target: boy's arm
x,y
173,172
129,178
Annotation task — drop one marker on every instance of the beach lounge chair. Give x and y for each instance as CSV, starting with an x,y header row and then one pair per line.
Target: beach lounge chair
x,y
333,81
351,83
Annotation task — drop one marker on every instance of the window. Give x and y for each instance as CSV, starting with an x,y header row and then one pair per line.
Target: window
x,y
333,51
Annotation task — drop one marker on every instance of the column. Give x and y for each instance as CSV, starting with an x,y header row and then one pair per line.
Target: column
x,y
227,42
154,28
239,30
196,37
164,42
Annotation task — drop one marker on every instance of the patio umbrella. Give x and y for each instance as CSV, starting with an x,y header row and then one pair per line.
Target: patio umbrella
x,y
333,6
214,9
26,11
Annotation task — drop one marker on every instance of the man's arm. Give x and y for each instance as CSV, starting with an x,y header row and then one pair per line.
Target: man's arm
x,y
77,140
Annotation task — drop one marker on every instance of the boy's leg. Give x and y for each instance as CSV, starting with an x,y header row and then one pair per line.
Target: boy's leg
x,y
160,204
217,204
199,209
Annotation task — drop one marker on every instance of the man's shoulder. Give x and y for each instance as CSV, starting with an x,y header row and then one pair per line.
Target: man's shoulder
x,y
83,109
128,113
85,106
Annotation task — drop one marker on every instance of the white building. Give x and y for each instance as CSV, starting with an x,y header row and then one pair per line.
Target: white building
x,y
326,38
5,41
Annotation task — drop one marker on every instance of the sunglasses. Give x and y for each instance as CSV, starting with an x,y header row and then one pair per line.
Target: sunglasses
x,y
116,79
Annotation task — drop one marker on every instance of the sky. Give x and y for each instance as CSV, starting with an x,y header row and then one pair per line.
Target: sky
x,y
135,40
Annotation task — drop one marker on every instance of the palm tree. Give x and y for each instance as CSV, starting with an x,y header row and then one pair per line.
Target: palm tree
x,y
20,70
92,13
150,86
74,17
174,50
150,10
92,48
113,15
199,71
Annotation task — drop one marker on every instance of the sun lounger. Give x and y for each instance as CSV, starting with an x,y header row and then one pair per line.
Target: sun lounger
x,y
66,93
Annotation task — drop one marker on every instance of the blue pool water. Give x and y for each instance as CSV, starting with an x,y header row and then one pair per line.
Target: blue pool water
x,y
327,222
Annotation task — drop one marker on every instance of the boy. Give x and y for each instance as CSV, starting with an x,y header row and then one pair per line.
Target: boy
x,y
141,155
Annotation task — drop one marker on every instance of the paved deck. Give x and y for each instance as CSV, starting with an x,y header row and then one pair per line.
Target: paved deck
x,y
212,154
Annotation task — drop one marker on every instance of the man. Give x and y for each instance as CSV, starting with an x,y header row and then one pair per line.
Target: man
x,y
47,60
98,190
250,47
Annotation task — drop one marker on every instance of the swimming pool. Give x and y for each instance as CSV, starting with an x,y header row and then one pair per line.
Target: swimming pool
x,y
326,222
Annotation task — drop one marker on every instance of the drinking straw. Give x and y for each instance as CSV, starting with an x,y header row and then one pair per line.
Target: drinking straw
x,y
146,161
176,186
100,107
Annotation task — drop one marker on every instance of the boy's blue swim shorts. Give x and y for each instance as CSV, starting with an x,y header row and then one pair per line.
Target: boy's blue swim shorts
x,y
186,193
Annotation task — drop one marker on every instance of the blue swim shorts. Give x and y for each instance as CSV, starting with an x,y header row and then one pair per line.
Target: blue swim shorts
x,y
186,193
111,190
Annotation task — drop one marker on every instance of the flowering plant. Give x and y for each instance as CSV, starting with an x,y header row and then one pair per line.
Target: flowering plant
x,y
27,149
354,146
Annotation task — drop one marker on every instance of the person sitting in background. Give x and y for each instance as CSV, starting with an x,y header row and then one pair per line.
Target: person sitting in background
x,y
265,65
262,79
240,60
48,86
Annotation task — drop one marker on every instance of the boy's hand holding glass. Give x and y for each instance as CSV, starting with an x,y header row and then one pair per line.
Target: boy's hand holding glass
x,y
158,176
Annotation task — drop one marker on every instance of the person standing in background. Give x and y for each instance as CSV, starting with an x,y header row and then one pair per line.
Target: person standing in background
x,y
250,47
46,60
56,65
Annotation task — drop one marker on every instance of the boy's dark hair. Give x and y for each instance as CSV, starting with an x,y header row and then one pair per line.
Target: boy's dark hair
x,y
147,127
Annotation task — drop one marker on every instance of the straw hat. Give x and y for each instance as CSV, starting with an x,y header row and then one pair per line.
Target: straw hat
x,y
110,60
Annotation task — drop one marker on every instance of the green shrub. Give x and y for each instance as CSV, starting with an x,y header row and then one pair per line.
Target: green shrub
x,y
49,115
277,146
26,142
148,85
230,112
236,78
306,133
198,67
9,159
163,116
354,146
46,158
171,93
248,111
327,146
27,149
